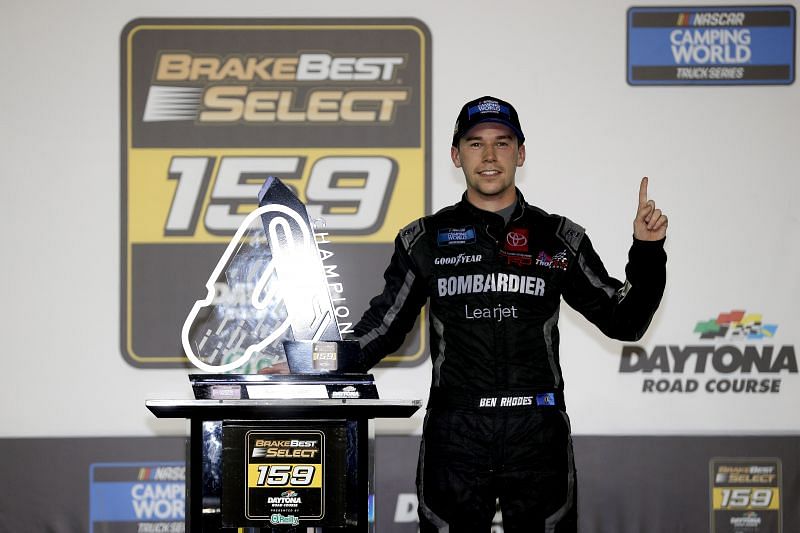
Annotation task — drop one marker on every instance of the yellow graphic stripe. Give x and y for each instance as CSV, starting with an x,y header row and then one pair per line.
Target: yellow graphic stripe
x,y
253,474
151,193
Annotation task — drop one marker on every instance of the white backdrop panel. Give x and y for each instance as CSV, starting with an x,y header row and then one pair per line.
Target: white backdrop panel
x,y
723,163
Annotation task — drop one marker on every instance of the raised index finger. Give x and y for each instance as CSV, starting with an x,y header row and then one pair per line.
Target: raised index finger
x,y
643,192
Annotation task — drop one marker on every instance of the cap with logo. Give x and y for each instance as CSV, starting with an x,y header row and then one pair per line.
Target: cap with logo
x,y
487,109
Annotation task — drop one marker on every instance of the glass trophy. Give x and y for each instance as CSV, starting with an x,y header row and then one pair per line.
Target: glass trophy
x,y
268,307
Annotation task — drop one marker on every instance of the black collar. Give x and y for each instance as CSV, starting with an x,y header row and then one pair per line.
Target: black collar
x,y
489,216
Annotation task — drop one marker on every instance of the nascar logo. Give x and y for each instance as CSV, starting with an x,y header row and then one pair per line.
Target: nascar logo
x,y
711,19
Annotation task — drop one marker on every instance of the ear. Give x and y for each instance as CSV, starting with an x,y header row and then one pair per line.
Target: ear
x,y
521,155
455,155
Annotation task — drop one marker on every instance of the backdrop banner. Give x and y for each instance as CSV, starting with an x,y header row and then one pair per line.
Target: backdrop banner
x,y
626,484
339,109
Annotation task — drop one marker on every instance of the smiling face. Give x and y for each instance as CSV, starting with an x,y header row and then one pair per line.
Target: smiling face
x,y
489,155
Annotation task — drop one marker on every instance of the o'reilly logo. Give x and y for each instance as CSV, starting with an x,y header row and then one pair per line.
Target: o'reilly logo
x,y
277,519
739,362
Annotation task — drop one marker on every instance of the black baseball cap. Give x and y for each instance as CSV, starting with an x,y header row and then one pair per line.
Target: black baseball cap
x,y
487,109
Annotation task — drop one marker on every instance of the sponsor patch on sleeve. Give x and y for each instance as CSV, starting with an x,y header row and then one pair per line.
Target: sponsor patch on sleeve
x,y
411,233
570,234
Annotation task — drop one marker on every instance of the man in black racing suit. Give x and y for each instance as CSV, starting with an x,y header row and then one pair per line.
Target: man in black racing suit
x,y
494,269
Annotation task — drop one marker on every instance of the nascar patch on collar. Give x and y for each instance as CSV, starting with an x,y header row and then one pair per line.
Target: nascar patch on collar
x,y
448,236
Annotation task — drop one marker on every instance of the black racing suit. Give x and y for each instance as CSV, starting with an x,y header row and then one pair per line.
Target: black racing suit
x,y
496,425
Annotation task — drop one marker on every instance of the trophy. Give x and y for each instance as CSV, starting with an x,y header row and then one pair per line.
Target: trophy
x,y
281,421
268,300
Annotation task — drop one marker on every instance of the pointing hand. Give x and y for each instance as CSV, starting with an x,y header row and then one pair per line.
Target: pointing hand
x,y
650,223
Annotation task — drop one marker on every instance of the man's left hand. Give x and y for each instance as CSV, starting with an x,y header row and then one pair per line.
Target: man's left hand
x,y
650,223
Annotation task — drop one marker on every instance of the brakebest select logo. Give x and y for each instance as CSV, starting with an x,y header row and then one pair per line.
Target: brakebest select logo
x,y
227,92
741,360
338,109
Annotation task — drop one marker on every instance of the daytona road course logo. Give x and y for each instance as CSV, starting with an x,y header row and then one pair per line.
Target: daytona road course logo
x,y
735,325
728,366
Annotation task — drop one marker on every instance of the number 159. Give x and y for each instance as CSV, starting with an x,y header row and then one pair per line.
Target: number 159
x,y
351,193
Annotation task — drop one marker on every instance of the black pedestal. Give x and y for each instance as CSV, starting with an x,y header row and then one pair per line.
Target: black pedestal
x,y
280,465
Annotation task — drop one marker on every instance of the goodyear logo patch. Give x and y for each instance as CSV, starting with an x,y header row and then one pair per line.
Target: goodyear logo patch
x,y
338,109
719,45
